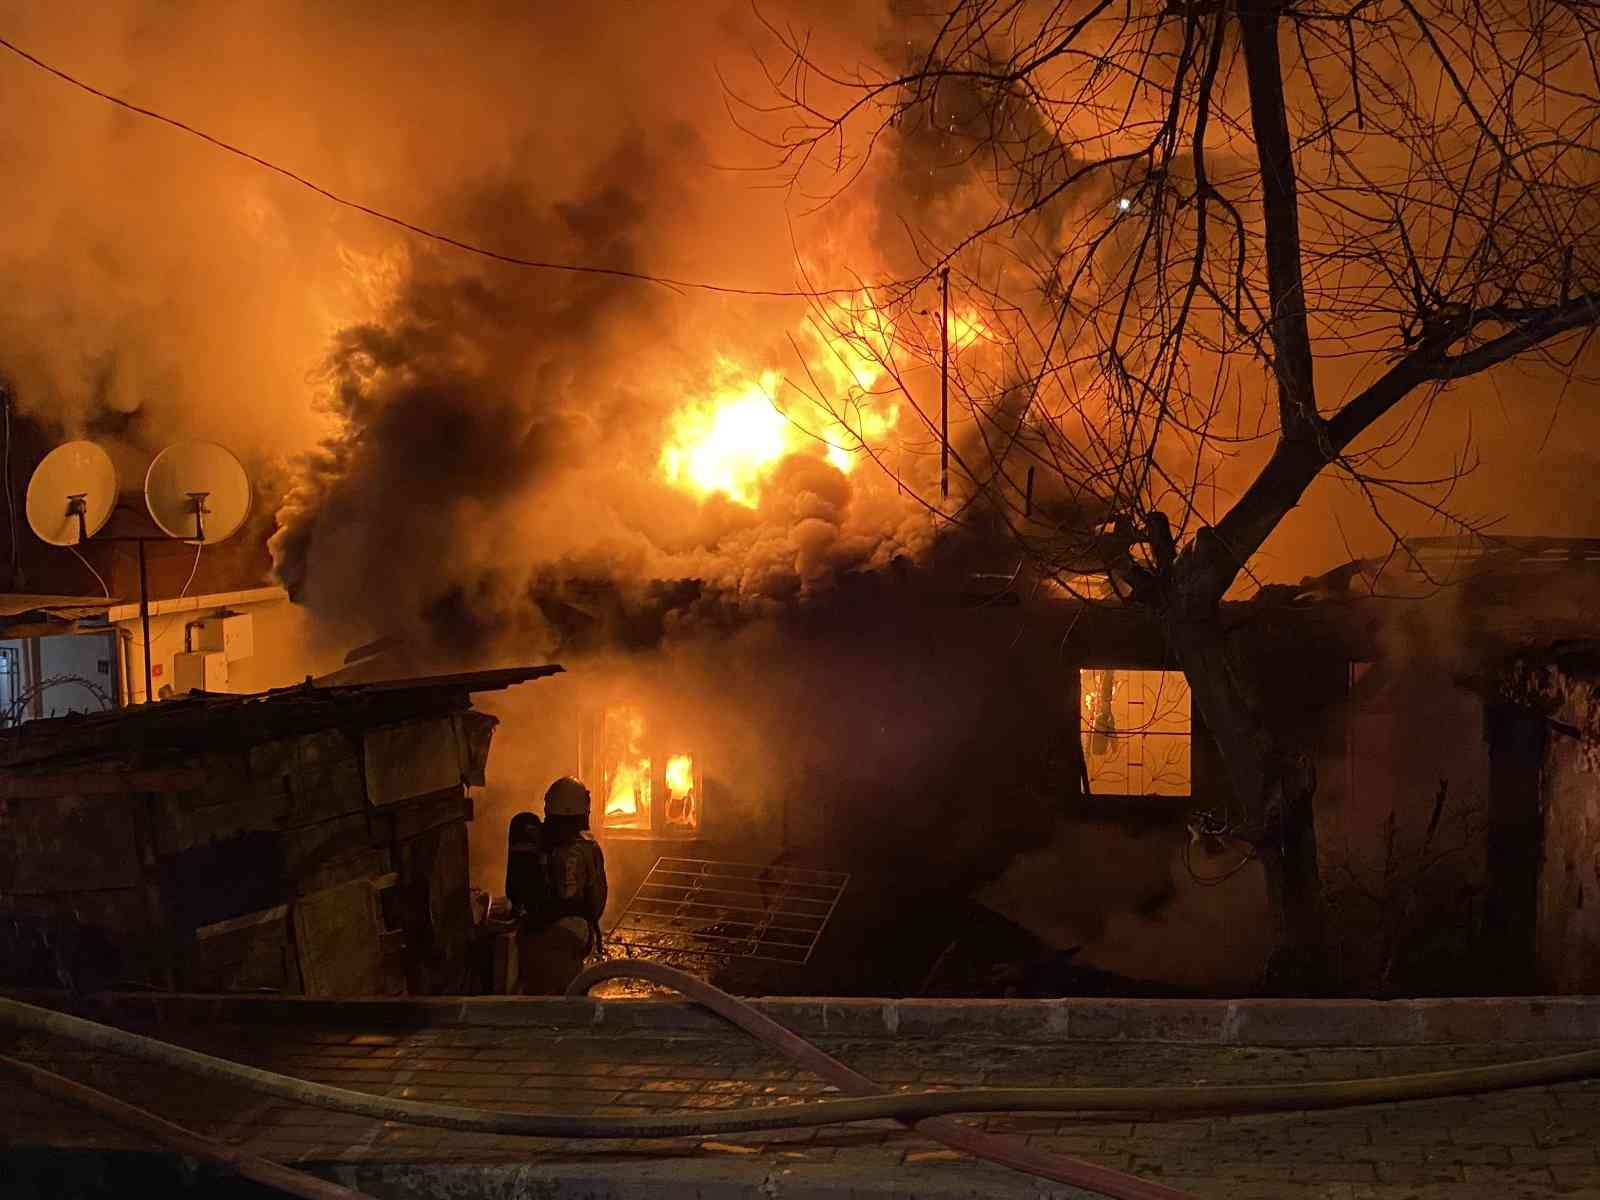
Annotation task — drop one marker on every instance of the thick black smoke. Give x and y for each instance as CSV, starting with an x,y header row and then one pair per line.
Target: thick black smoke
x,y
498,434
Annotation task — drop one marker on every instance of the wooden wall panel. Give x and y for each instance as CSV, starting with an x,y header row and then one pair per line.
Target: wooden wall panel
x,y
336,934
416,758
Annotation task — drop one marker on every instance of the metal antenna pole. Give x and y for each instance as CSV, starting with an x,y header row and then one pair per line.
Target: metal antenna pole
x,y
144,619
944,383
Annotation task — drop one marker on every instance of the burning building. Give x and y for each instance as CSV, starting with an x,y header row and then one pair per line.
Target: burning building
x,y
1020,794
781,666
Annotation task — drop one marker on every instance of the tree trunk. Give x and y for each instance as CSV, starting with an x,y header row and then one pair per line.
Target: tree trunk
x,y
1273,787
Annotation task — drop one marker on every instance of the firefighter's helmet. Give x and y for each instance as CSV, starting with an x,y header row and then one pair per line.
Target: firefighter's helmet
x,y
566,797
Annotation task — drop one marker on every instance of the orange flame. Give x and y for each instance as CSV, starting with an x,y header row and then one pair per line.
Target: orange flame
x,y
683,805
680,774
966,328
730,441
627,775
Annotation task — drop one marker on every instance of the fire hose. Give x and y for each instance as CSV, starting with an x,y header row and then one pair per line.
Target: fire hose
x,y
916,1107
175,1137
1010,1152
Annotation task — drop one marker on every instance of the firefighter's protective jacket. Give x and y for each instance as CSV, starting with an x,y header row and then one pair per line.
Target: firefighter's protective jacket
x,y
578,873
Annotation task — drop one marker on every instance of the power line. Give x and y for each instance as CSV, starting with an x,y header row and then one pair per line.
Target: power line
x,y
410,227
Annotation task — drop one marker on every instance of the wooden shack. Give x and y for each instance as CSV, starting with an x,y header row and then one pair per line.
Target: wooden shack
x,y
306,840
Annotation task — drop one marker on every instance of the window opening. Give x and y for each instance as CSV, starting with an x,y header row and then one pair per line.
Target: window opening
x,y
624,771
1136,731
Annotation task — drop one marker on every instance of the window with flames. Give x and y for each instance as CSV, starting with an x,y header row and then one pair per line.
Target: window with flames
x,y
1136,732
647,786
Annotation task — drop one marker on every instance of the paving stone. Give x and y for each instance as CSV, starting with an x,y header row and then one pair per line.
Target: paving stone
x,y
1529,1144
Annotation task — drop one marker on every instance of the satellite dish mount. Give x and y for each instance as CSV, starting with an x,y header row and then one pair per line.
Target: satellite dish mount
x,y
197,504
186,484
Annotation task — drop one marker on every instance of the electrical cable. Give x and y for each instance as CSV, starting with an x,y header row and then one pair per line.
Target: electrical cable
x,y
411,227
1214,880
175,1137
198,546
92,571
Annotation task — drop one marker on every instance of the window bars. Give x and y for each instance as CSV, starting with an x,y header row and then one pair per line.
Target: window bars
x,y
730,910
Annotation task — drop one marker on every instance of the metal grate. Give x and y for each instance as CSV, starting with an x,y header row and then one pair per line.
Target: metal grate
x,y
730,910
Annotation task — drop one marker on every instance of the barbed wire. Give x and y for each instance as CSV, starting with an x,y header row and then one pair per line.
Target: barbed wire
x,y
13,713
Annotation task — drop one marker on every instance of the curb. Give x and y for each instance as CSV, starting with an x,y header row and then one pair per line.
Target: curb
x,y
1547,1019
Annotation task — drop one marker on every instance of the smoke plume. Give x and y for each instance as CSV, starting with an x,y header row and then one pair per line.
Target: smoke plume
x,y
458,434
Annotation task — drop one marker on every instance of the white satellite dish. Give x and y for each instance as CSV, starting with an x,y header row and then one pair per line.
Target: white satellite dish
x,y
72,494
197,491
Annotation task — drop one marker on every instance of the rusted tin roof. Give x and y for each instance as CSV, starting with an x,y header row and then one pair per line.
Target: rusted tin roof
x,y
14,604
23,615
152,734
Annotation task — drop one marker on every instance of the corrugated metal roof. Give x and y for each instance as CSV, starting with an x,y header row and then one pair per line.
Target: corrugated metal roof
x,y
70,608
150,734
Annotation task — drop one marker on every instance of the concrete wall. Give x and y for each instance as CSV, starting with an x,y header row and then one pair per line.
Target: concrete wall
x,y
87,657
1568,904
1402,802
285,650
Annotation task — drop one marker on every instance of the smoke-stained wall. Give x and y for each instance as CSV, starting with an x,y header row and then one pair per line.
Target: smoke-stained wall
x,y
1548,836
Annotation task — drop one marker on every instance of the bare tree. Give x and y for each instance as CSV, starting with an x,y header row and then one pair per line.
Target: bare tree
x,y
1257,236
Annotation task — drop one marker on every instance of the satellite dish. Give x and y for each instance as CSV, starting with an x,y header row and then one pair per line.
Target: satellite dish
x,y
197,491
72,494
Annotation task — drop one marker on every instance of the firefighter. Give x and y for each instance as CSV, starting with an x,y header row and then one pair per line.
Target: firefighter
x,y
554,944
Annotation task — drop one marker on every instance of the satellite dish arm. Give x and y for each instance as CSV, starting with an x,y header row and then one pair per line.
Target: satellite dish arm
x,y
78,506
197,502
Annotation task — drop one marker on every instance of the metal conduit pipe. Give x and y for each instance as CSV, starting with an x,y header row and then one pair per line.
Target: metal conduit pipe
x,y
914,1106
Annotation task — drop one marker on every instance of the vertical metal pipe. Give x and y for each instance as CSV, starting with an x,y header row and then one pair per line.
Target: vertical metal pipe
x,y
125,649
144,620
35,678
944,383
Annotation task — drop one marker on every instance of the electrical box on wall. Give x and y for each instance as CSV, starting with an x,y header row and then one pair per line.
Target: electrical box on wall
x,y
232,637
199,672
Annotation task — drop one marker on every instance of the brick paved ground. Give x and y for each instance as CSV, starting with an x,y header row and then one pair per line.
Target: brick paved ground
x,y
1532,1143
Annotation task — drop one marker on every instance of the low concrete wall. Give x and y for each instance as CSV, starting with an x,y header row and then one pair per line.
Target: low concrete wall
x,y
1227,1022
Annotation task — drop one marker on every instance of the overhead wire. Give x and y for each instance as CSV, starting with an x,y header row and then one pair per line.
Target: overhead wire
x,y
421,231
